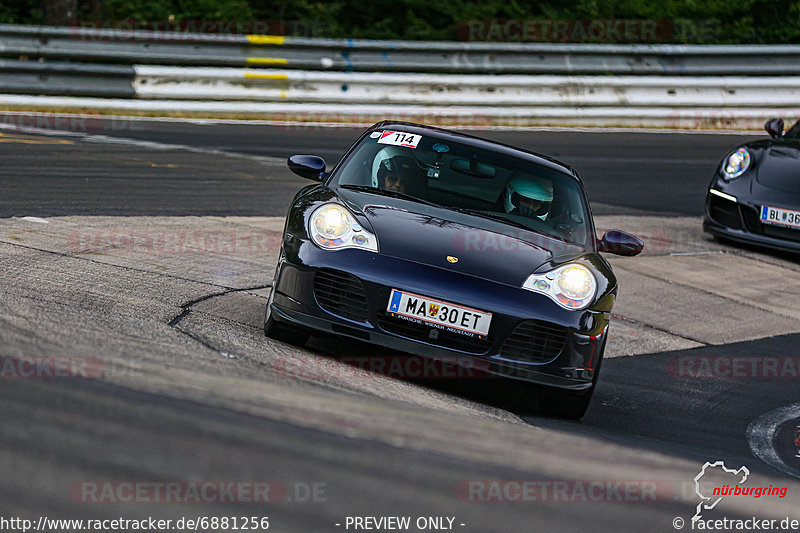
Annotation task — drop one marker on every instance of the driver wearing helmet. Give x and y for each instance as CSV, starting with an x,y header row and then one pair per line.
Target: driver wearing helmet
x,y
528,196
383,158
396,174
400,173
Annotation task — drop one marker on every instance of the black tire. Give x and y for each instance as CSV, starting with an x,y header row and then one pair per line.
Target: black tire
x,y
283,332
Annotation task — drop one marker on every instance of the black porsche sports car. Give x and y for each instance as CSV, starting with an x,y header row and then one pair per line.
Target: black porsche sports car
x,y
754,196
449,246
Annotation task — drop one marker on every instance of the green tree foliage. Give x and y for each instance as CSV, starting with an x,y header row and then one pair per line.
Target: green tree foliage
x,y
21,12
694,21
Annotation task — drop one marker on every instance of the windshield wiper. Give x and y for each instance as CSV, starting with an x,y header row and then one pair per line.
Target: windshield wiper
x,y
491,216
500,218
387,192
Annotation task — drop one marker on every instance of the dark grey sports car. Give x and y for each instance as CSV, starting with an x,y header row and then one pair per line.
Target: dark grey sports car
x,y
754,196
448,246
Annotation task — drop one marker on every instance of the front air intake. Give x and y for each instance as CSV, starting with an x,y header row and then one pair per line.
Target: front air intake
x,y
341,294
724,212
534,341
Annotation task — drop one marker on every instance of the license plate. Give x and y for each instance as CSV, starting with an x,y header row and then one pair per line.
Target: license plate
x,y
780,217
443,314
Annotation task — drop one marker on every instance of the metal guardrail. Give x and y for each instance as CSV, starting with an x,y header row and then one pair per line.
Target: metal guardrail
x,y
69,79
358,81
149,82
162,48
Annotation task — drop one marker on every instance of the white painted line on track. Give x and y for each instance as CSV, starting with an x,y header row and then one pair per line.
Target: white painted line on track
x,y
152,145
761,433
704,252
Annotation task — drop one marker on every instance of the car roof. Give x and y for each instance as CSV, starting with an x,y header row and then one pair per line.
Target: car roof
x,y
477,142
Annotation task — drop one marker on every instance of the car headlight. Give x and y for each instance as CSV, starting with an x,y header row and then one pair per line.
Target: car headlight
x,y
736,164
571,286
333,227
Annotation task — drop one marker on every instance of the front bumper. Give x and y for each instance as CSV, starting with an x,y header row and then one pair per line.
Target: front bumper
x,y
738,221
572,366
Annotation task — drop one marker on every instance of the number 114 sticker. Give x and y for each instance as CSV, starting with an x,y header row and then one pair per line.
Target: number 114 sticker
x,y
399,138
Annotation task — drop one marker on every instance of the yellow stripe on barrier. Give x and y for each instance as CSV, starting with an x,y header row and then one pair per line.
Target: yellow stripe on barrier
x,y
267,61
265,39
253,75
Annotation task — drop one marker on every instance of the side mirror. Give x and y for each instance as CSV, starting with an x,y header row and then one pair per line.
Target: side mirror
x,y
775,128
618,242
311,167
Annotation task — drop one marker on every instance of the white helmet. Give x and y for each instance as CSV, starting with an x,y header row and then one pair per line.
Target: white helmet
x,y
383,155
520,187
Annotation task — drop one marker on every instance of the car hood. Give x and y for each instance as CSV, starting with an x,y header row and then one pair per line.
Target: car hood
x,y
440,241
780,168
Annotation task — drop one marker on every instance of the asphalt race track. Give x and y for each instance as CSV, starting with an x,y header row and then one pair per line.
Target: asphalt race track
x,y
659,173
176,383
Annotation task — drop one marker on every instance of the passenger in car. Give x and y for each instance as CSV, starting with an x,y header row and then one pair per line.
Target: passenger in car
x,y
528,196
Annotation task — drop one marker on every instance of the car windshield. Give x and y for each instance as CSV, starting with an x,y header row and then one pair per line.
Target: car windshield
x,y
463,178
